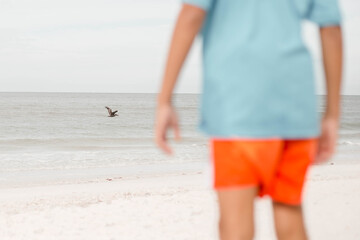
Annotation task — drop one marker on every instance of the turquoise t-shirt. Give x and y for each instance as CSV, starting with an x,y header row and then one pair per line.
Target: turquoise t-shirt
x,y
258,74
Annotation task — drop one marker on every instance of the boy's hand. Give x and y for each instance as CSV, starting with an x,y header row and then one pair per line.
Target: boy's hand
x,y
327,139
166,118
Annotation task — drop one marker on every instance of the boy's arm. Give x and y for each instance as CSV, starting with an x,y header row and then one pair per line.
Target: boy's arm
x,y
331,40
188,25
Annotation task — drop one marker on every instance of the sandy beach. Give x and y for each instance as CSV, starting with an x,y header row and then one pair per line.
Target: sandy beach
x,y
173,206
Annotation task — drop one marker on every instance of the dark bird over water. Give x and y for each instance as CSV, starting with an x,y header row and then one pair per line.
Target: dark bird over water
x,y
111,113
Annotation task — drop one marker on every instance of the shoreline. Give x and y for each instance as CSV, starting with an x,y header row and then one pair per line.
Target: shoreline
x,y
65,176
48,177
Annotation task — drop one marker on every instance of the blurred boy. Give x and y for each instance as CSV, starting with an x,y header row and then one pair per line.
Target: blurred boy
x,y
258,104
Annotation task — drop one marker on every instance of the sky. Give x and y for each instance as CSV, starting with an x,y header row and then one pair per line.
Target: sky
x,y
119,46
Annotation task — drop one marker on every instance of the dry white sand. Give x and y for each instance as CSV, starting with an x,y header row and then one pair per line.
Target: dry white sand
x,y
168,207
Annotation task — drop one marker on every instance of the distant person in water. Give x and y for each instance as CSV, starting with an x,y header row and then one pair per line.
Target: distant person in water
x,y
111,113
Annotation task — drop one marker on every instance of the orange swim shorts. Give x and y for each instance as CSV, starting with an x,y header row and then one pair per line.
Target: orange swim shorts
x,y
276,166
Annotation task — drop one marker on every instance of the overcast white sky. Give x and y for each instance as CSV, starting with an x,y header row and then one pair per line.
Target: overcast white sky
x,y
117,46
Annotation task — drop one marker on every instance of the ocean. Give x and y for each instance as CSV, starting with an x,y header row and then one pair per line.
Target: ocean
x,y
68,137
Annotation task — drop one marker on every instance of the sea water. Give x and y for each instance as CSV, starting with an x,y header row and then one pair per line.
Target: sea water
x,y
54,137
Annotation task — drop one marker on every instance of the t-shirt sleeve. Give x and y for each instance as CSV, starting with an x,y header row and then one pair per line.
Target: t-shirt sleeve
x,y
204,4
324,12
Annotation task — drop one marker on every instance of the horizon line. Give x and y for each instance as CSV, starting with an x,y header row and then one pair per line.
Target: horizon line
x,y
133,93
